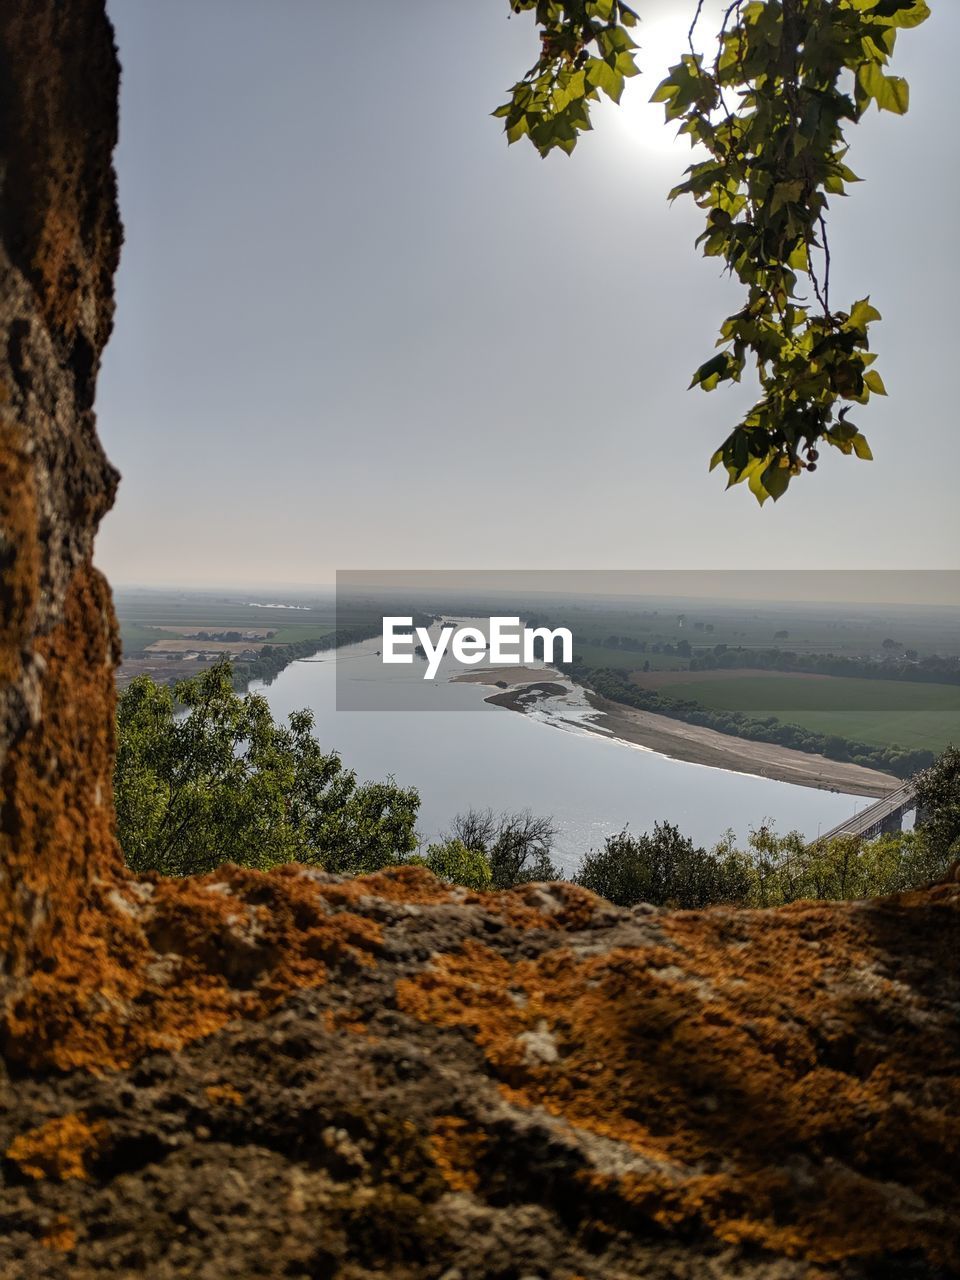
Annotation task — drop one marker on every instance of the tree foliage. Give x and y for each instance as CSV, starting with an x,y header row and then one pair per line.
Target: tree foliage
x,y
516,846
938,803
785,868
664,868
768,108
452,860
205,776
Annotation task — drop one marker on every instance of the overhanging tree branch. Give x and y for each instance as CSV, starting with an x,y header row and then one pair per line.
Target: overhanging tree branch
x,y
797,70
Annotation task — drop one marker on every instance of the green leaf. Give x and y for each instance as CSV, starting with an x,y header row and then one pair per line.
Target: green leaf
x,y
517,131
614,39
891,93
708,375
861,448
755,485
861,314
776,477
569,89
902,13
602,76
775,150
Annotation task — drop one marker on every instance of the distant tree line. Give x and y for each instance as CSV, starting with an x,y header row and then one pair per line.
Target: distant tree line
x,y
930,670
680,648
616,685
225,635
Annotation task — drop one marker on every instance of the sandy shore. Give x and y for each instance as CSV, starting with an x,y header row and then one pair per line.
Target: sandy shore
x,y
508,675
692,742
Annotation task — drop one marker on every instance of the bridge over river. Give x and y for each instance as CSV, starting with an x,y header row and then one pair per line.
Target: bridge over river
x,y
882,816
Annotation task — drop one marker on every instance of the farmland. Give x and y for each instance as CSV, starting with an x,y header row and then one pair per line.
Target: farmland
x,y
173,634
148,617
879,712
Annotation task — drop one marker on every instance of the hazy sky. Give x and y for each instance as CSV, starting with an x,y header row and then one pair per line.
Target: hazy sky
x,y
355,330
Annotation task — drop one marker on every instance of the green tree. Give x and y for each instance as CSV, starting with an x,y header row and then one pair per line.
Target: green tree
x,y
515,845
785,868
938,804
769,105
204,776
664,868
852,868
451,860
667,869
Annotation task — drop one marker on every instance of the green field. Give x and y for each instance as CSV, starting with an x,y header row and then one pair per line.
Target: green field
x,y
141,612
135,637
878,712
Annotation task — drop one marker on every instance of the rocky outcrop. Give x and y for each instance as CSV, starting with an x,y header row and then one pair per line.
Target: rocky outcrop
x,y
294,1075
59,244
515,1085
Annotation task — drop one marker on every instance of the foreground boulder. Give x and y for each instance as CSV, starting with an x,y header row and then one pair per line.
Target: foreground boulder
x,y
392,1077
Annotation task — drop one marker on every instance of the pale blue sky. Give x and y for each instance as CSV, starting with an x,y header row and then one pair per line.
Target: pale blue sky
x,y
354,329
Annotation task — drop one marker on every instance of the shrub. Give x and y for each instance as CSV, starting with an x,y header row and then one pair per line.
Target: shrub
x,y
205,776
666,869
452,860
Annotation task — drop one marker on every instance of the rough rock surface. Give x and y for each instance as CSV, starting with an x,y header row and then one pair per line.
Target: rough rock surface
x,y
59,245
291,1075
514,1085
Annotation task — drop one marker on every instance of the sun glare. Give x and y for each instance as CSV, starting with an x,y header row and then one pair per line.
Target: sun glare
x,y
661,36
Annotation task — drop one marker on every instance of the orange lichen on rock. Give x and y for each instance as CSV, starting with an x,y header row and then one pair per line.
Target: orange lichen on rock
x,y
532,906
61,1237
224,1093
153,963
348,1020
165,962
406,886
57,832
18,521
58,1149
730,1041
62,227
455,1148
58,642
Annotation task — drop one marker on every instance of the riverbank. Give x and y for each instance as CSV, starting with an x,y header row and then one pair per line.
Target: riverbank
x,y
504,676
681,741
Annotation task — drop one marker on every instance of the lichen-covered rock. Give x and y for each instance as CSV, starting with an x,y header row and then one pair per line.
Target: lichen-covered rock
x,y
391,1077
59,244
295,1075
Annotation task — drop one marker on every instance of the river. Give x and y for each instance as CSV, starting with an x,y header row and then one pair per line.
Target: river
x,y
462,752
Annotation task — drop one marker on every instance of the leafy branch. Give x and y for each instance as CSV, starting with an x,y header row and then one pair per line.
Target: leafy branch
x,y
585,50
770,110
